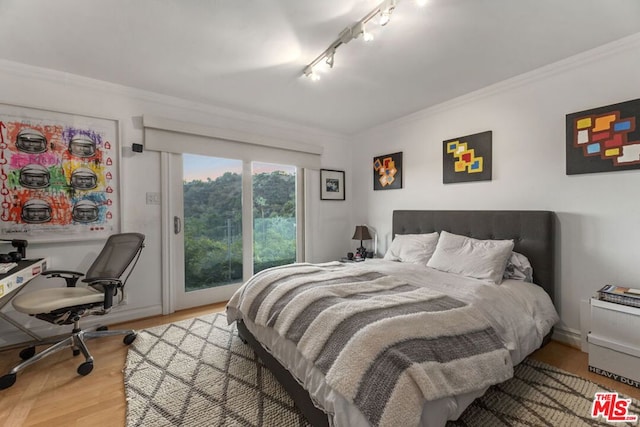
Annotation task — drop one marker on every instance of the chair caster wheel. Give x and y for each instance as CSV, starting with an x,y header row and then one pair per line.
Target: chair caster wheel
x,y
129,338
76,352
27,353
102,328
7,381
85,368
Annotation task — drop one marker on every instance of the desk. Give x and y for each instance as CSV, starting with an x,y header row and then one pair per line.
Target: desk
x,y
14,281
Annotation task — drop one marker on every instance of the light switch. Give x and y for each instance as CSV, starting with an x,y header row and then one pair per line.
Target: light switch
x,y
153,198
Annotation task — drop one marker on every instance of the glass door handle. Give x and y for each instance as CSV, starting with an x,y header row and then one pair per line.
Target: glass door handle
x,y
177,225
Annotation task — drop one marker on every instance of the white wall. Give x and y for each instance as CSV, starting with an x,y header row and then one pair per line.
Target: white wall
x,y
327,222
598,214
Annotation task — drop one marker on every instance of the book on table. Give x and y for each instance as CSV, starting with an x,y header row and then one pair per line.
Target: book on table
x,y
620,295
5,267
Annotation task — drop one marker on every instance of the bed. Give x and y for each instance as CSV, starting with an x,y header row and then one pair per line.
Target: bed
x,y
475,331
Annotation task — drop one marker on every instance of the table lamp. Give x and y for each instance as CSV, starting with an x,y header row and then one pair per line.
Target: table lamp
x,y
361,233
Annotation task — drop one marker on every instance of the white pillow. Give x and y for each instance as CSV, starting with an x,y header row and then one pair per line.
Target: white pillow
x,y
518,268
412,248
480,259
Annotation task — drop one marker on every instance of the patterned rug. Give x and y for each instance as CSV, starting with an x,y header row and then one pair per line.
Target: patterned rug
x,y
197,372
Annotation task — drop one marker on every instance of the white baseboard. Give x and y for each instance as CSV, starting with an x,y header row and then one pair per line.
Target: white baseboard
x,y
47,330
568,336
120,315
585,324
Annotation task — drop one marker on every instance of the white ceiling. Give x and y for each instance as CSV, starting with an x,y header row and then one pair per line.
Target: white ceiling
x,y
249,54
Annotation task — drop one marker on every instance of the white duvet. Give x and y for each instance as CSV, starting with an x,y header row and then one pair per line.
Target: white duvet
x,y
521,313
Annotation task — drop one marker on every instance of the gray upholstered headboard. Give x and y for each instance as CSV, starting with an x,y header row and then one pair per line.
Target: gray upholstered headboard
x,y
532,232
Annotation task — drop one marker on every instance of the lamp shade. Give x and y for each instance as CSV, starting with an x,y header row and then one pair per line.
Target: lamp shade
x,y
361,233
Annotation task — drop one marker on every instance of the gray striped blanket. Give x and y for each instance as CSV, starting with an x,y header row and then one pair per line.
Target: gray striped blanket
x,y
383,344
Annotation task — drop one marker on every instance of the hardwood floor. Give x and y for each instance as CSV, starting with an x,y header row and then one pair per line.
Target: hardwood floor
x,y
51,393
575,361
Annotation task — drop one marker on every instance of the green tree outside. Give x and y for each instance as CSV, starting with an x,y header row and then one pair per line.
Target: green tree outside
x,y
213,227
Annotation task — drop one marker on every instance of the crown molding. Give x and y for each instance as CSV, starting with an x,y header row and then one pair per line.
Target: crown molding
x,y
629,43
239,117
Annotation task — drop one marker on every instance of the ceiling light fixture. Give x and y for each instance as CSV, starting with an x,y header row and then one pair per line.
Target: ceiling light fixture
x,y
330,58
386,9
366,36
383,10
312,74
360,28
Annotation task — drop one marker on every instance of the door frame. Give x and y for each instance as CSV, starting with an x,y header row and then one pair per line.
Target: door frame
x,y
168,292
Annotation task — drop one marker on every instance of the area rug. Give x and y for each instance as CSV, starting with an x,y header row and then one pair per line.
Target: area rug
x,y
197,372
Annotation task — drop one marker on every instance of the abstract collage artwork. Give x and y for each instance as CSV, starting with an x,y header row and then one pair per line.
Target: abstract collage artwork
x,y
59,175
603,139
387,172
467,158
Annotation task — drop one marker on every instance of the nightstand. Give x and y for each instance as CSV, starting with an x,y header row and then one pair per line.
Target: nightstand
x,y
614,341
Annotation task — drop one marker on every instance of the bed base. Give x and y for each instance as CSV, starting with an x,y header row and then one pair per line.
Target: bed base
x,y
300,396
315,416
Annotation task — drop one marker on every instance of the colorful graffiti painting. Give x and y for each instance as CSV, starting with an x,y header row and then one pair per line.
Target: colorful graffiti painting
x,y
58,175
467,158
387,172
603,139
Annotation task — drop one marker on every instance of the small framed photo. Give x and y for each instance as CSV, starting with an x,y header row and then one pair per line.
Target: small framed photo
x,y
331,184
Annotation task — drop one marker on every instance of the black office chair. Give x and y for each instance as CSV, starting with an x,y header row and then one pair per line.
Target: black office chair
x,y
66,306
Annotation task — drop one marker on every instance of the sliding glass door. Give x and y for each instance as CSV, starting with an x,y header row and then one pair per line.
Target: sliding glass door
x,y
205,216
274,215
212,197
230,218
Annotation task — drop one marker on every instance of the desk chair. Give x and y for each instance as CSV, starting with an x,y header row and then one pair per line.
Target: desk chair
x,y
66,306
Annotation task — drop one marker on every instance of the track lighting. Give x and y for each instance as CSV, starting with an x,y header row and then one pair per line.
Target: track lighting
x,y
324,61
312,75
360,28
386,9
385,17
330,57
367,36
383,11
